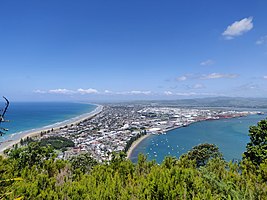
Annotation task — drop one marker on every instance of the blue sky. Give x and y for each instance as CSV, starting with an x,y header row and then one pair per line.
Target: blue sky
x,y
101,50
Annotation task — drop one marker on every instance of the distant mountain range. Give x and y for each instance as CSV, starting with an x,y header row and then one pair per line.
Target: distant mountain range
x,y
237,102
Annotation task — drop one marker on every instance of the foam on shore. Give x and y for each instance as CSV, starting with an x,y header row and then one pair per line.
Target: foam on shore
x,y
35,132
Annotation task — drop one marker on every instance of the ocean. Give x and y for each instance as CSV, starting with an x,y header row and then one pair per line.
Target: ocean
x,y
230,135
25,116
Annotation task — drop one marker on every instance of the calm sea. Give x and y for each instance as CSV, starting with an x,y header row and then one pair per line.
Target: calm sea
x,y
32,115
230,135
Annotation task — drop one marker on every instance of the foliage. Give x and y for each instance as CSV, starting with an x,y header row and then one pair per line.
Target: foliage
x,y
132,139
25,141
30,155
83,162
57,142
257,147
32,172
203,153
83,178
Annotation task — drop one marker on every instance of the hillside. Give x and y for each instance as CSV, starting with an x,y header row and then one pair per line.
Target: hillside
x,y
34,172
233,102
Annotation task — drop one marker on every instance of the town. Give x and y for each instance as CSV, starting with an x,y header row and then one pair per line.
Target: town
x,y
112,129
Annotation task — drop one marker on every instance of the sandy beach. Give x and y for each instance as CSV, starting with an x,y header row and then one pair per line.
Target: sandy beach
x,y
36,132
134,145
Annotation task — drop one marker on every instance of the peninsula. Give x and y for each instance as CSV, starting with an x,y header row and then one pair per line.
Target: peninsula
x,y
119,127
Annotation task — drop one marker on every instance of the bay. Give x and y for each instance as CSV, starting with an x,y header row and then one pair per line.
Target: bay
x,y
230,135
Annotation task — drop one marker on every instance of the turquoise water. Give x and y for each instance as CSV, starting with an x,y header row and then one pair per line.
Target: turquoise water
x,y
230,135
26,116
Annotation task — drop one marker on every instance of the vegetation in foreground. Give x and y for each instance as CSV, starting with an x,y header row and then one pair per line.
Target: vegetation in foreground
x,y
33,172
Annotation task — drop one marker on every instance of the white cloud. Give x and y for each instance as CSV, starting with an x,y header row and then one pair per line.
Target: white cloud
x,y
198,86
108,92
195,86
40,91
87,91
248,86
139,92
204,77
67,92
207,62
134,92
129,93
262,40
218,75
186,93
168,93
238,28
198,94
61,91
181,78
265,77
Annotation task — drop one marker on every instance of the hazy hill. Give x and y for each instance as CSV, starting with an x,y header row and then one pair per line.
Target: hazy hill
x,y
235,102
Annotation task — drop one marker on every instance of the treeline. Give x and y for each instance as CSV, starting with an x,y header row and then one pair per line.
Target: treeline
x,y
57,142
133,139
33,172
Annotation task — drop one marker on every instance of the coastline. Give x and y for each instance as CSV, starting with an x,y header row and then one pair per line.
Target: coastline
x,y
135,144
139,140
36,132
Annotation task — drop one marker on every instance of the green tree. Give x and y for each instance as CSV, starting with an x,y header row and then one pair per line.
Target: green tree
x,y
57,142
32,154
203,153
257,147
83,162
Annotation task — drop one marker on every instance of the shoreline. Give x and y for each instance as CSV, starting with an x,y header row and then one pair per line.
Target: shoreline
x,y
139,140
135,144
36,132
